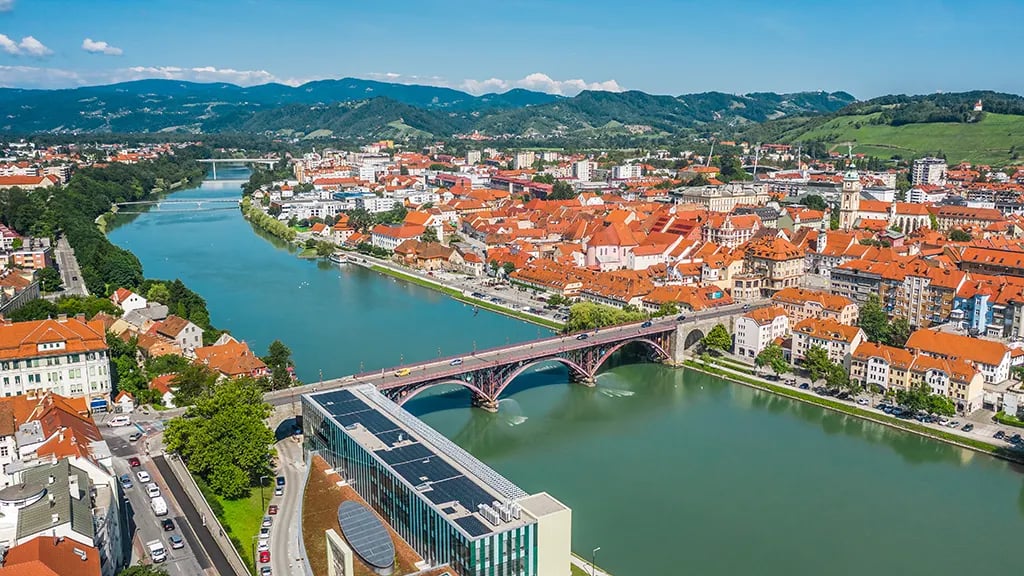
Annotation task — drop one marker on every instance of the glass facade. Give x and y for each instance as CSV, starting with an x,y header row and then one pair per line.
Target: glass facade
x,y
419,522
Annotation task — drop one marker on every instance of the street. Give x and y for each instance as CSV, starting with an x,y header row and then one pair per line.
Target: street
x,y
70,273
285,553
188,561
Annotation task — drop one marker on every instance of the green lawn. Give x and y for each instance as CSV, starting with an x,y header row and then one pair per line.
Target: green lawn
x,y
308,253
577,571
242,519
988,141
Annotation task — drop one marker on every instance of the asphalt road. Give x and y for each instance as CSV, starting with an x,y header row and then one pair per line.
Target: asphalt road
x,y
188,561
285,555
71,274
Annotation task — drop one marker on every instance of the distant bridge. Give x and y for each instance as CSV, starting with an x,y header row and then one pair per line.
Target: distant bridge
x,y
182,205
269,162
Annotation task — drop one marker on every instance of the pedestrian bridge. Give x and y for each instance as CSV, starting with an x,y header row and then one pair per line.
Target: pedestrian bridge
x,y
487,373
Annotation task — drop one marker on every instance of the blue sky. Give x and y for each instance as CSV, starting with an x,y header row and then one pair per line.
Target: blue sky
x,y
867,48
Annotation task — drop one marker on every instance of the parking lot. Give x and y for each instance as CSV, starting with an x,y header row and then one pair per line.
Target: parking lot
x,y
188,560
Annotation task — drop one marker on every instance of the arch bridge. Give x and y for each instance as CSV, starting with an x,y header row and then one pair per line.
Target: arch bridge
x,y
487,373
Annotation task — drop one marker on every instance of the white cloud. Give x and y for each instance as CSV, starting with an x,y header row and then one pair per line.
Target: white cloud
x,y
198,74
28,46
48,78
100,47
537,81
35,77
6,5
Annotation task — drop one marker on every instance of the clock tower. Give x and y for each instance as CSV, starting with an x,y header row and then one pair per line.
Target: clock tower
x,y
849,203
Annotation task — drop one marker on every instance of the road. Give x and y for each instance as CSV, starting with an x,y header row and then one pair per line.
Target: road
x,y
285,553
188,561
70,273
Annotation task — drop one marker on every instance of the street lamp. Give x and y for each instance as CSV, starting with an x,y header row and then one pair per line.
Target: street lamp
x,y
593,561
263,503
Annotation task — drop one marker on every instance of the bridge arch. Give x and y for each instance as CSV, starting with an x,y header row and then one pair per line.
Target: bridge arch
x,y
693,337
573,367
406,395
650,344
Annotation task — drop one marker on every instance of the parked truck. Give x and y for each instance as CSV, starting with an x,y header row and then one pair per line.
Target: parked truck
x,y
159,505
156,551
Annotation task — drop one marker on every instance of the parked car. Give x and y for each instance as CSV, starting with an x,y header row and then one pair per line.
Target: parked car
x,y
135,436
681,318
143,476
134,462
1000,435
167,524
456,362
646,324
968,427
263,546
582,337
280,480
265,557
264,534
126,481
862,401
805,386
265,571
176,541
278,490
152,490
268,521
121,420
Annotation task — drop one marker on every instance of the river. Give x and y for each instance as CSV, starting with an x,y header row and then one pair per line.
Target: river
x,y
668,471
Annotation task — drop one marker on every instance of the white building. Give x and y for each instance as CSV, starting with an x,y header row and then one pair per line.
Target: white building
x,y
65,355
473,157
584,170
373,203
127,300
524,159
839,340
756,329
929,171
627,172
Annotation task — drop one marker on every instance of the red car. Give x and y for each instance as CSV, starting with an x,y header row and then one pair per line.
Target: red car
x,y
134,462
264,556
272,509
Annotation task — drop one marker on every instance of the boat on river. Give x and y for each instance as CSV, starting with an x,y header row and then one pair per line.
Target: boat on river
x,y
338,257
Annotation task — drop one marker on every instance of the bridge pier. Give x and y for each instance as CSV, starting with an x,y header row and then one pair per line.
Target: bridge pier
x,y
485,403
582,379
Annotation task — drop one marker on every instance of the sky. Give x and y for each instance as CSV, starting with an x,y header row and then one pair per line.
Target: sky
x,y
867,48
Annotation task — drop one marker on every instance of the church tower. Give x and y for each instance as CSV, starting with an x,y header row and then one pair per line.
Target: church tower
x,y
849,204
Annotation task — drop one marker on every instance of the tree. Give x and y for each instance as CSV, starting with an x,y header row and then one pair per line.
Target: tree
x,y
873,320
279,360
561,190
933,220
958,235
508,268
494,267
817,362
899,332
773,357
836,378
158,292
915,399
587,315
143,570
717,339
165,364
195,381
224,438
49,280
556,300
429,235
941,405
667,309
815,202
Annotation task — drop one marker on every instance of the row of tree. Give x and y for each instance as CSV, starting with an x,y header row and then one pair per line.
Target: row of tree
x,y
875,323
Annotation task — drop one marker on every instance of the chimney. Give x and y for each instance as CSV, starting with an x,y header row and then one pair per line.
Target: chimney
x,y
81,554
62,317
73,487
80,317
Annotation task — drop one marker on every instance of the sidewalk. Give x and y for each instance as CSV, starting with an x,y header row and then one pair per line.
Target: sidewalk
x,y
584,565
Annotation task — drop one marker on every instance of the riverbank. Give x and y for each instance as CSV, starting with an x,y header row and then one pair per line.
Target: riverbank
x,y
458,295
733,375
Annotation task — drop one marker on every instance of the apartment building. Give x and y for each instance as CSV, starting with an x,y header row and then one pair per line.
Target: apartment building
x,y
989,357
928,171
65,355
755,330
801,304
887,368
776,259
839,340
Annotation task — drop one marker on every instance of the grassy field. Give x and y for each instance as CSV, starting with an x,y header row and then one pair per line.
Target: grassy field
x,y
242,519
988,141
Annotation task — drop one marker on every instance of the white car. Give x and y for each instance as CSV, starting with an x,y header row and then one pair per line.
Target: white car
x,y
152,490
119,421
264,534
143,476
263,547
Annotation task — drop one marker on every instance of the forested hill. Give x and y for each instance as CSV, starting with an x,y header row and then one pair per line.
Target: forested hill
x,y
353,108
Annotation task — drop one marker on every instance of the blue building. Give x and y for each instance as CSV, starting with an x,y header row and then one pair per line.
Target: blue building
x,y
450,507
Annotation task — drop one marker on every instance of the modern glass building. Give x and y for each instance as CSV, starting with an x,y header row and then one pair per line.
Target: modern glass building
x,y
450,507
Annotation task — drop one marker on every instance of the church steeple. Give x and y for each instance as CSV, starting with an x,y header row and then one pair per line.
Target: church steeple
x,y
849,205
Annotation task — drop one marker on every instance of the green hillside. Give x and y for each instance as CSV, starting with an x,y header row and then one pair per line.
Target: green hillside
x,y
993,140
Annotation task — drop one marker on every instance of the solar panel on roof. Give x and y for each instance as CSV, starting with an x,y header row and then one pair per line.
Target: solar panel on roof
x,y
404,454
472,526
366,534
